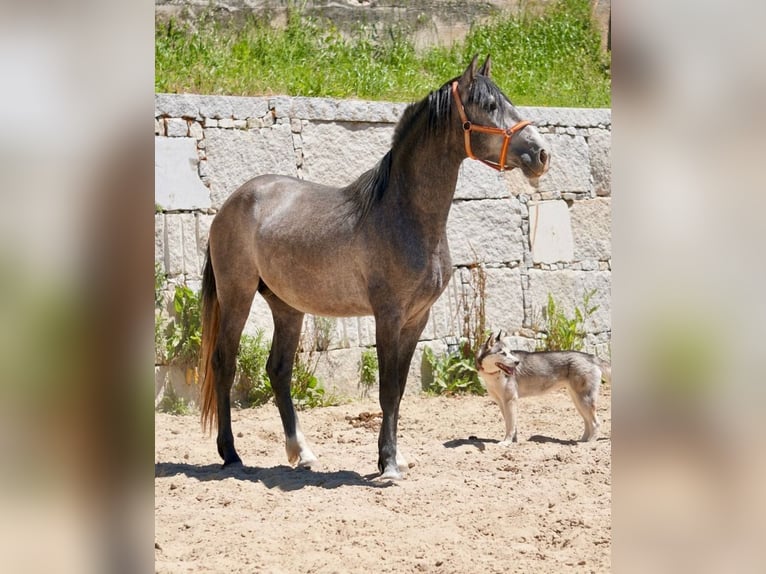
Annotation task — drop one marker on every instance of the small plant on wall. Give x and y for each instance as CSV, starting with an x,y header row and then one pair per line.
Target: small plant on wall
x,y
562,333
454,372
368,370
252,384
185,332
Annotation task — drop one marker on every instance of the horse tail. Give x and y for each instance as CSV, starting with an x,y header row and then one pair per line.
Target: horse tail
x,y
211,311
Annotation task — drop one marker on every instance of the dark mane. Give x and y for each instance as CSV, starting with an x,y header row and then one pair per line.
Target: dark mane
x,y
370,187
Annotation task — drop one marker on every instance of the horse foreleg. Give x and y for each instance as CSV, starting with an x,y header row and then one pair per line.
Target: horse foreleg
x,y
387,336
287,332
408,341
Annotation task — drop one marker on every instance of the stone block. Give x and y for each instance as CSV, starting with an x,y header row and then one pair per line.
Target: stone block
x,y
236,156
443,317
338,153
600,146
182,383
176,181
176,128
570,165
575,117
568,289
203,232
192,263
174,244
591,229
477,181
177,105
260,319
195,130
487,230
503,299
233,107
517,183
550,232
159,239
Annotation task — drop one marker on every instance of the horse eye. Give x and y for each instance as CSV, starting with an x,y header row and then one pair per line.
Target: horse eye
x,y
492,106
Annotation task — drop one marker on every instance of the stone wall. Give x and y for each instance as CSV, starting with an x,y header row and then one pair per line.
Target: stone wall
x,y
552,238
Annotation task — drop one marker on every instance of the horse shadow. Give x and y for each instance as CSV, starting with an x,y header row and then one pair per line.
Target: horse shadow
x,y
282,477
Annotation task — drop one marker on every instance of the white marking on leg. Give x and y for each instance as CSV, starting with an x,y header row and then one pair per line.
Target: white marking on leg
x,y
298,451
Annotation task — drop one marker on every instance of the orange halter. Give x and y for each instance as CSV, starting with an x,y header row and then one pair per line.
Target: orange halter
x,y
469,127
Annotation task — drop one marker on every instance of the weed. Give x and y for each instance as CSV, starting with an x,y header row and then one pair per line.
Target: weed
x,y
185,333
252,382
562,333
160,322
323,332
454,372
306,389
368,370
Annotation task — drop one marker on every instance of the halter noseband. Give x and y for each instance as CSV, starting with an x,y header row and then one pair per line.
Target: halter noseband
x,y
469,127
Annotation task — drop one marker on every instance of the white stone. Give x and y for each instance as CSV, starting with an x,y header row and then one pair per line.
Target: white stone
x,y
550,232
176,180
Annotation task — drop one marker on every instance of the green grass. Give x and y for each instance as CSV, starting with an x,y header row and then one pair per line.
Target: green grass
x,y
548,60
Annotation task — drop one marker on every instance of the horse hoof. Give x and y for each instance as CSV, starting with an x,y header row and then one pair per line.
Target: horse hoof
x,y
392,473
307,461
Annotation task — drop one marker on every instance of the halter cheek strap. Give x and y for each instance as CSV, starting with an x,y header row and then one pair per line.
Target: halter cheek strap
x,y
469,127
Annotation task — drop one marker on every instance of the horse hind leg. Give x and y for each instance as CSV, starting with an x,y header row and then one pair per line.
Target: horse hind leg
x,y
287,331
224,363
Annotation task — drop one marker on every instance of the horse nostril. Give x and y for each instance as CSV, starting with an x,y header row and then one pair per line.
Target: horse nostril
x,y
543,157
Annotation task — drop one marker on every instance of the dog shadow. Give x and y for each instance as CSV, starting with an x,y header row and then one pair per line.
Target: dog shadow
x,y
568,442
282,477
479,443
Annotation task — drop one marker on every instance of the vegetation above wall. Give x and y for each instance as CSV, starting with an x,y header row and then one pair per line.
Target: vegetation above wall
x,y
553,59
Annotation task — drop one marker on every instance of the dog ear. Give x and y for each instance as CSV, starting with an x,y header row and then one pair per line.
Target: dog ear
x,y
488,342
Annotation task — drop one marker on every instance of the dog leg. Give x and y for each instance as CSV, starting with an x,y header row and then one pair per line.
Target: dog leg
x,y
586,406
508,408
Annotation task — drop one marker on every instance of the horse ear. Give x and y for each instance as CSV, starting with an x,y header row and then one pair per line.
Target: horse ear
x,y
470,72
486,67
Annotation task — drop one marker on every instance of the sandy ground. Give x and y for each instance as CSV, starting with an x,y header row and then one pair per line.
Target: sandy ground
x,y
467,504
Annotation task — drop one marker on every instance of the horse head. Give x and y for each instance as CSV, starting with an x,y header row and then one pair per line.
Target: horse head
x,y
493,130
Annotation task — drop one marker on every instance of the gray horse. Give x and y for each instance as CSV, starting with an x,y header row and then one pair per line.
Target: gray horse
x,y
376,247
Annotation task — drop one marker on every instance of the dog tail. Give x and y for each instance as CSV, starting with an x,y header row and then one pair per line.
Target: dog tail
x,y
606,369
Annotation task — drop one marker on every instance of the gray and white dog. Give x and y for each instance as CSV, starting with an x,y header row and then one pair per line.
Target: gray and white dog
x,y
510,374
